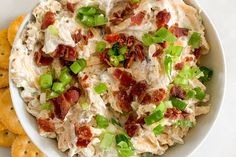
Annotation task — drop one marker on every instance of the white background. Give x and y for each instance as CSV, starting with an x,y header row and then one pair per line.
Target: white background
x,y
222,139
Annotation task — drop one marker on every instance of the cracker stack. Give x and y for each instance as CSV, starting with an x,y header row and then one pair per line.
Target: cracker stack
x,y
11,131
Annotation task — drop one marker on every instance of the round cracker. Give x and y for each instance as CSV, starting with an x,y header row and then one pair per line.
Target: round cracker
x,y
8,115
6,138
5,50
3,78
13,28
23,147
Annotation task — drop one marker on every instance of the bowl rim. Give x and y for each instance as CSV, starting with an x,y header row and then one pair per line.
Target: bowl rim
x,y
195,4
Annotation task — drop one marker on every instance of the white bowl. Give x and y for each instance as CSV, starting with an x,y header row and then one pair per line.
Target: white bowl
x,y
216,88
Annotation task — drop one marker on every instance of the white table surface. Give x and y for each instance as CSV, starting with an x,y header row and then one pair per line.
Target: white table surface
x,y
222,139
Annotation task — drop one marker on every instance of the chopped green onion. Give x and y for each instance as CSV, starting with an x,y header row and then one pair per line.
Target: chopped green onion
x,y
190,72
200,94
88,20
158,129
114,60
87,10
65,70
53,30
58,87
162,107
154,117
100,46
116,48
107,140
179,104
52,95
123,50
46,81
191,94
121,58
78,66
100,88
174,50
180,81
46,106
124,146
111,52
135,1
100,20
147,39
165,35
184,123
102,122
195,40
65,78
168,66
208,73
115,122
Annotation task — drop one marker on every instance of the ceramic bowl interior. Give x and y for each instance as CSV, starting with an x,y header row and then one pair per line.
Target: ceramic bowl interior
x,y
214,60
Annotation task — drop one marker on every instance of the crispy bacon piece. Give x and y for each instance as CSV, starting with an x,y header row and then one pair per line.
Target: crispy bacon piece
x,y
124,100
68,53
137,19
49,19
83,81
70,7
188,59
104,57
124,77
139,51
77,36
122,39
63,102
162,18
131,126
174,113
139,88
45,125
179,32
112,38
129,59
147,99
84,136
197,53
178,92
41,60
158,53
158,95
179,66
107,30
130,41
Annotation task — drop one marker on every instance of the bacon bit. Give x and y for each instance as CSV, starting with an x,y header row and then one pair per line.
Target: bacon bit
x,y
61,106
122,39
188,59
179,66
132,6
179,32
83,81
130,41
139,52
139,88
68,53
131,126
129,59
49,19
72,95
90,34
137,19
158,53
163,17
112,38
141,121
147,99
173,113
178,92
104,57
163,45
197,53
40,60
70,7
107,30
124,100
45,125
77,36
84,135
116,21
158,95
124,77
